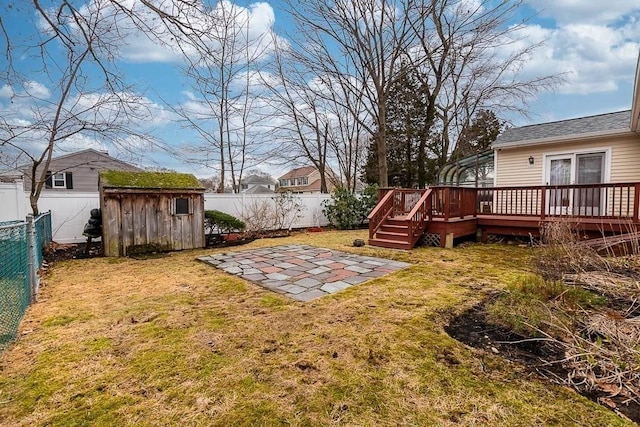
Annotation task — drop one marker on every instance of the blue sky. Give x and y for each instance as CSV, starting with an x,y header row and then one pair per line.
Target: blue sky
x,y
595,44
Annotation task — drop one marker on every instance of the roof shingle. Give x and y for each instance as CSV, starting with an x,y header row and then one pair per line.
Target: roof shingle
x,y
618,121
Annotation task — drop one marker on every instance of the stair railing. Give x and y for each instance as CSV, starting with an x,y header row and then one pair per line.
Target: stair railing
x,y
417,218
383,210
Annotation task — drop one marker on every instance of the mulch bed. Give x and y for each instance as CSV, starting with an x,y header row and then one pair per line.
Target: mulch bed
x,y
61,252
473,328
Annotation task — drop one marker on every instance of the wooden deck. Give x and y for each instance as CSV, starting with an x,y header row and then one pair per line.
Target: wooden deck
x,y
442,214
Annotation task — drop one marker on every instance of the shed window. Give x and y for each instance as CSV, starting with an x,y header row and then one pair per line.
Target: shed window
x,y
182,206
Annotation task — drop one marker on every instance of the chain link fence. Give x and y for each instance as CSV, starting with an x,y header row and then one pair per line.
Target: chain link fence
x,y
21,256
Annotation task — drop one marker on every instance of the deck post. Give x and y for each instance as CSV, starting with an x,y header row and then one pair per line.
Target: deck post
x,y
447,201
448,241
543,202
636,202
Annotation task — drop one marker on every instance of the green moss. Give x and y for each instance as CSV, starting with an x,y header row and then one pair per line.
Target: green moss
x,y
58,321
98,344
273,301
87,410
160,180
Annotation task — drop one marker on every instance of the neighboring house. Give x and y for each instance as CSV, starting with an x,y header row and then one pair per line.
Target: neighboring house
x,y
77,171
304,180
256,184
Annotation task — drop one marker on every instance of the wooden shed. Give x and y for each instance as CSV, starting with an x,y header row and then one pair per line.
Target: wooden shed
x,y
146,212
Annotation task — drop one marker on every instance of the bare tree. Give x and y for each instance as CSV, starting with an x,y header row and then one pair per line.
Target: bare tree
x,y
359,44
465,50
84,95
222,67
468,59
304,130
348,138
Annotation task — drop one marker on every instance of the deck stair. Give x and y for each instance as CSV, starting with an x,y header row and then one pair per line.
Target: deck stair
x,y
399,219
393,233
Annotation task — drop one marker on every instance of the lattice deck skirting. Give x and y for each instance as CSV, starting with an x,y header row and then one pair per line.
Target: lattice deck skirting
x,y
431,239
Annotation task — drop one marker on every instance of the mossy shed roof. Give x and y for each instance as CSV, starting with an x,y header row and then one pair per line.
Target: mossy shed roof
x,y
149,180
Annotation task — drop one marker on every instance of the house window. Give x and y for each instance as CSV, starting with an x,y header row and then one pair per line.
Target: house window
x,y
303,181
59,181
283,183
245,186
181,206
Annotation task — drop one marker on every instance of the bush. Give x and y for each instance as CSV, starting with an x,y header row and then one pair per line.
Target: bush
x,y
368,200
346,211
280,213
221,222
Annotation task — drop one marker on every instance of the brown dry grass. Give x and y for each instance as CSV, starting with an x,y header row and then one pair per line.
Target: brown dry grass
x,y
173,341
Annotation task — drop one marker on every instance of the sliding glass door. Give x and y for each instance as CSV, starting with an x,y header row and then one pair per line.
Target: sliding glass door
x,y
562,170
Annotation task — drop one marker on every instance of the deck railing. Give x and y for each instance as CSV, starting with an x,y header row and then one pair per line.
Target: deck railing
x,y
453,202
618,201
418,216
383,209
606,201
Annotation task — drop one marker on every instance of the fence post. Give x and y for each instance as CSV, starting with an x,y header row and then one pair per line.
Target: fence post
x,y
31,254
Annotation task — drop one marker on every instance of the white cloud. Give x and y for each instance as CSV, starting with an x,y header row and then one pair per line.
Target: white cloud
x,y
6,91
36,90
593,54
151,40
581,11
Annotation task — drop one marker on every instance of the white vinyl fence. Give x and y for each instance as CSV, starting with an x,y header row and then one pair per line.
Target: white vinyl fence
x,y
14,203
70,210
244,205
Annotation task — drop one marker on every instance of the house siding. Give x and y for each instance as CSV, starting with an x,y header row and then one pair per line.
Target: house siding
x,y
85,167
513,169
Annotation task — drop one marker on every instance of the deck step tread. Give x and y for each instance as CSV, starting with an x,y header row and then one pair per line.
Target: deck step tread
x,y
392,244
394,233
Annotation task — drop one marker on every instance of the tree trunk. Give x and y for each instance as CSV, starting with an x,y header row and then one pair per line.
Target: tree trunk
x,y
381,144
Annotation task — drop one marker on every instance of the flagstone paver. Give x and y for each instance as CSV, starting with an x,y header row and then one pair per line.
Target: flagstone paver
x,y
302,272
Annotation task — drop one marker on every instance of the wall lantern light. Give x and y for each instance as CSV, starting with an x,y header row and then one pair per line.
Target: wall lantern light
x,y
531,160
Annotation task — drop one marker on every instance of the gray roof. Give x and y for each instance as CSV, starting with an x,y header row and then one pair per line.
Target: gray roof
x,y
619,121
259,189
256,179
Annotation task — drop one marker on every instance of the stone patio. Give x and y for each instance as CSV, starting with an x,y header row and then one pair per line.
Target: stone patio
x,y
302,272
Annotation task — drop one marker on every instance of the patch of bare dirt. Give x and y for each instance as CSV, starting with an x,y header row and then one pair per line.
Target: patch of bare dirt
x,y
473,328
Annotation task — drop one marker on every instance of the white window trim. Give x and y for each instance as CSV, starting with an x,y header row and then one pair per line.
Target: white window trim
x,y
64,180
546,156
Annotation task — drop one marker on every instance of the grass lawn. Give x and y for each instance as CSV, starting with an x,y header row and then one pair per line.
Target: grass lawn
x,y
173,341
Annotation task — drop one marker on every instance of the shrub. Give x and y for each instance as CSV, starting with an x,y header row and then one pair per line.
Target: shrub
x,y
279,213
347,211
258,216
368,200
220,222
288,209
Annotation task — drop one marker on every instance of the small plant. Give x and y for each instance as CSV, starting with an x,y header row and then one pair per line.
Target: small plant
x,y
258,216
217,223
288,210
